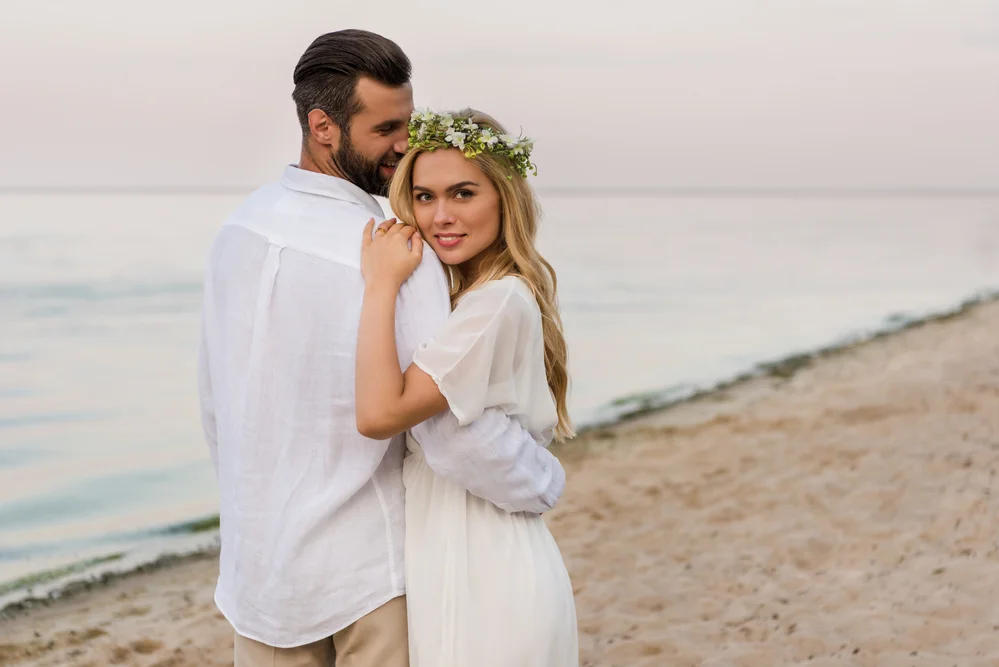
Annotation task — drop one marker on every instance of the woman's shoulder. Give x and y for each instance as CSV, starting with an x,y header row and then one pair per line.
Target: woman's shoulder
x,y
504,288
509,293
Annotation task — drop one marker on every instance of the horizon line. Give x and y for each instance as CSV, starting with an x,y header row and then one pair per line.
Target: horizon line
x,y
571,190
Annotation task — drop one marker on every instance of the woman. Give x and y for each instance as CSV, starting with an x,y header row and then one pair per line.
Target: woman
x,y
484,587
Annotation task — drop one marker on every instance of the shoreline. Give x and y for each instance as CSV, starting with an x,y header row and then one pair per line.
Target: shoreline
x,y
835,511
638,405
84,576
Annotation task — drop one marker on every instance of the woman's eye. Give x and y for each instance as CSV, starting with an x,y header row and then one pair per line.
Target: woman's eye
x,y
463,194
422,197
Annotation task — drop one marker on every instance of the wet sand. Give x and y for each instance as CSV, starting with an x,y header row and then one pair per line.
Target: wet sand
x,y
836,512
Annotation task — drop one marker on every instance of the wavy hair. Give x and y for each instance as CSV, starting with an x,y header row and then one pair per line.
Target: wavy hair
x,y
514,253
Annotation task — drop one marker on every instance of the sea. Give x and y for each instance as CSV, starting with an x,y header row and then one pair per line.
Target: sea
x,y
103,467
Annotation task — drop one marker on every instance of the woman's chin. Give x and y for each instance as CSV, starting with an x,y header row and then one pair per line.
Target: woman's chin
x,y
450,257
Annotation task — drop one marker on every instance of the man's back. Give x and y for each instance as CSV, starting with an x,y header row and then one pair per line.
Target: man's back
x,y
311,510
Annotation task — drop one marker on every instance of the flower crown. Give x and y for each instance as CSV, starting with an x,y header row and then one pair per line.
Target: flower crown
x,y
429,130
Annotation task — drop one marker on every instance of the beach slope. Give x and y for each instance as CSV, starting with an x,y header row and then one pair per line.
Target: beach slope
x,y
837,512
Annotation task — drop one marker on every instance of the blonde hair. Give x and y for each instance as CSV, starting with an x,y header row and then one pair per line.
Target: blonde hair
x,y
514,253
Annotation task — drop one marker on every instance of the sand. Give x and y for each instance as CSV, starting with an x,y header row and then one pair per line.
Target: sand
x,y
839,514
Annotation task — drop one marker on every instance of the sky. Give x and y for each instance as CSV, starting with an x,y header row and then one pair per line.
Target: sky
x,y
698,93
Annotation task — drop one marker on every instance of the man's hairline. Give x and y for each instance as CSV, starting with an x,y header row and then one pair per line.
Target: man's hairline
x,y
356,98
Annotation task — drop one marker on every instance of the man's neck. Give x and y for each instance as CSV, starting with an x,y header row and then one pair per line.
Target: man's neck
x,y
308,161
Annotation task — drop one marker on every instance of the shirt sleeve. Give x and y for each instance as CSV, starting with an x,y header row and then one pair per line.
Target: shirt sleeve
x,y
205,395
492,455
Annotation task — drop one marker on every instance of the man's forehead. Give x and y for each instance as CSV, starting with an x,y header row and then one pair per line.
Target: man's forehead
x,y
385,101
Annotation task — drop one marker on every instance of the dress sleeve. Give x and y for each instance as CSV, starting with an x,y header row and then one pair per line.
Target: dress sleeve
x,y
478,357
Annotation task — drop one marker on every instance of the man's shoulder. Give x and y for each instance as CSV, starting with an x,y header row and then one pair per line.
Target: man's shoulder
x,y
426,290
277,201
322,227
430,271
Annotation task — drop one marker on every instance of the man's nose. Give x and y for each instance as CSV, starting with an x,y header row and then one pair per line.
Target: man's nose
x,y
401,144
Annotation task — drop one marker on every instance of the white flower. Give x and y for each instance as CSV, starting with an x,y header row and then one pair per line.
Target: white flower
x,y
488,138
508,139
456,138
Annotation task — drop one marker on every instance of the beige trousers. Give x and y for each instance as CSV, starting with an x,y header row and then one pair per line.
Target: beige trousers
x,y
379,639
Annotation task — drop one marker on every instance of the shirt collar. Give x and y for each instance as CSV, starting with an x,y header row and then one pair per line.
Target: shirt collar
x,y
315,183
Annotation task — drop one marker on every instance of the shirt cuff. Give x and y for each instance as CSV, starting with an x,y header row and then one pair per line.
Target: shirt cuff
x,y
549,496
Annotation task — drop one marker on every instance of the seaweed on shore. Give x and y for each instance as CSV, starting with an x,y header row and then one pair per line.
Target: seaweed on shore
x,y
204,525
781,369
47,576
83,585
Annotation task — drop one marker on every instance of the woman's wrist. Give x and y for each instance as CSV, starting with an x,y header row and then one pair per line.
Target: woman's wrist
x,y
382,288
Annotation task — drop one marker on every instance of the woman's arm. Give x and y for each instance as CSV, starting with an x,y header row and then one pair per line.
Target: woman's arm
x,y
387,401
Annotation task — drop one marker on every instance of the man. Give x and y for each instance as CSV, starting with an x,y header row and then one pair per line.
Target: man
x,y
311,566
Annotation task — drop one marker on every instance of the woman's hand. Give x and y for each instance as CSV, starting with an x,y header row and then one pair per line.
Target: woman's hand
x,y
391,256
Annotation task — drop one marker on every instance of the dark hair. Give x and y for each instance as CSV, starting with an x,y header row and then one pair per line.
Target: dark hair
x,y
326,75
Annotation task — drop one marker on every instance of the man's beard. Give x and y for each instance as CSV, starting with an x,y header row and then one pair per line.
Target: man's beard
x,y
359,170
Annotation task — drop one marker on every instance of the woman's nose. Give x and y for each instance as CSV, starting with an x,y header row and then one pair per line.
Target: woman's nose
x,y
442,216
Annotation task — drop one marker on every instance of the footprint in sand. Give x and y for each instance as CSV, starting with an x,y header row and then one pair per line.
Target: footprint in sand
x,y
146,646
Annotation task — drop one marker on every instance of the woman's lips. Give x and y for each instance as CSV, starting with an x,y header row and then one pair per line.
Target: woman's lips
x,y
449,241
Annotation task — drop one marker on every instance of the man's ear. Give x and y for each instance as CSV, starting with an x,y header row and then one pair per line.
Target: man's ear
x,y
323,129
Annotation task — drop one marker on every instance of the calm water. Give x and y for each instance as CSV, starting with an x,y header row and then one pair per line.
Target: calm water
x,y
100,445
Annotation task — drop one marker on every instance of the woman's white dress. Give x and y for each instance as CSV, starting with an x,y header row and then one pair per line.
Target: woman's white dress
x,y
486,588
